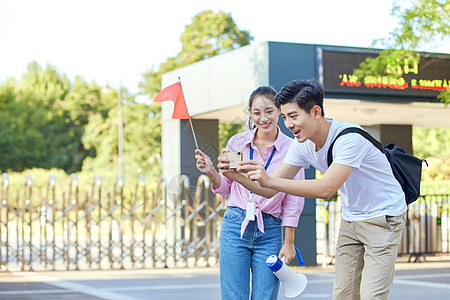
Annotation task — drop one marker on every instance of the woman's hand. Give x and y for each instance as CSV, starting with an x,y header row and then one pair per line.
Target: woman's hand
x,y
204,163
288,251
224,162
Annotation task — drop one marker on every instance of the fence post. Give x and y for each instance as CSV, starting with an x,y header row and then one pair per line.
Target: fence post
x,y
74,181
5,204
183,198
99,222
119,182
142,203
27,198
46,216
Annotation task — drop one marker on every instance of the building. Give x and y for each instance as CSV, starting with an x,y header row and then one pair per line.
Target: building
x,y
217,90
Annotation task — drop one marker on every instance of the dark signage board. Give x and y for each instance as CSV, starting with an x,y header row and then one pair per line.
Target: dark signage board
x,y
426,79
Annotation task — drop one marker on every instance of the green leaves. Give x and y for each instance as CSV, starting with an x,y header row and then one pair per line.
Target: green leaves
x,y
432,144
421,23
34,128
48,122
208,35
211,34
424,21
389,62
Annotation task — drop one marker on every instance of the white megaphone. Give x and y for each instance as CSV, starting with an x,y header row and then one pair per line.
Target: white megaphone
x,y
293,284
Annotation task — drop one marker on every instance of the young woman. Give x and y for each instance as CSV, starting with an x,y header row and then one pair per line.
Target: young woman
x,y
252,226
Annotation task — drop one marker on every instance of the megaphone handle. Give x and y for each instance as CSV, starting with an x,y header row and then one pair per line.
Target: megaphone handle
x,y
300,258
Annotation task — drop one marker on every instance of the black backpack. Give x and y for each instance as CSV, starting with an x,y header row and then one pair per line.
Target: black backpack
x,y
407,169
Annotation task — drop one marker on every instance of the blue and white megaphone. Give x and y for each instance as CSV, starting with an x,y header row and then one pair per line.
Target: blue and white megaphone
x,y
293,284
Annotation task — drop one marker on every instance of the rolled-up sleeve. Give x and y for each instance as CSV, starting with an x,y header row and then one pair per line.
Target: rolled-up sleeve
x,y
224,188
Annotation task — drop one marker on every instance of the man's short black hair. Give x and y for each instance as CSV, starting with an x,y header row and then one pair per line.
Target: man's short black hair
x,y
306,93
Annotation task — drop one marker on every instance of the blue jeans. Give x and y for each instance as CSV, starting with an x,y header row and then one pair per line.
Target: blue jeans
x,y
240,256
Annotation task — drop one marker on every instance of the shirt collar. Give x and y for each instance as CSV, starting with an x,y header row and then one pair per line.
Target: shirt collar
x,y
251,137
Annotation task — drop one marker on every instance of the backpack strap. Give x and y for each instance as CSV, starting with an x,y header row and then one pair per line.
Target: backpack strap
x,y
353,130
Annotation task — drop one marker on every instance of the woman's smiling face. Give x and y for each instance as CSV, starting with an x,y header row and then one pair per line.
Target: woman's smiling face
x,y
264,114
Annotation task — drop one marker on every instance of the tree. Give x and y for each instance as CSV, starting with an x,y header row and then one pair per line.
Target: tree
x,y
142,138
208,35
35,132
431,142
7,108
422,24
47,122
43,119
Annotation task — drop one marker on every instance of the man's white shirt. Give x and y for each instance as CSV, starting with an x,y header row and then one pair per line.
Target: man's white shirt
x,y
371,190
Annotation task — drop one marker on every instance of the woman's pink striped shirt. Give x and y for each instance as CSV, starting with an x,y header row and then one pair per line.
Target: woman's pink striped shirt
x,y
284,206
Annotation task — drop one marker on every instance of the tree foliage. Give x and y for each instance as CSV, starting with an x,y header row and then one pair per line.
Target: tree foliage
x,y
227,130
432,144
36,131
422,24
48,122
208,35
142,138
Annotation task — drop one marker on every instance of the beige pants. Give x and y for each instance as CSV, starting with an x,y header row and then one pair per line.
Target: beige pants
x,y
365,257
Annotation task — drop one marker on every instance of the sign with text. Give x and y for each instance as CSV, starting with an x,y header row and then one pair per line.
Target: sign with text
x,y
428,77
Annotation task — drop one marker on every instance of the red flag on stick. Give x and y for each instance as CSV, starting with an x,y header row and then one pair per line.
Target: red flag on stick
x,y
174,93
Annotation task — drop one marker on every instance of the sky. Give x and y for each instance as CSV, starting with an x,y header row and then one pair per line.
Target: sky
x,y
114,41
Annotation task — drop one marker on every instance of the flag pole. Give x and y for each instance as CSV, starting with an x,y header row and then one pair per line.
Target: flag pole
x,y
193,133
190,120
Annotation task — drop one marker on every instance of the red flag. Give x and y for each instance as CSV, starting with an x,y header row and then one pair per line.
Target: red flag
x,y
174,93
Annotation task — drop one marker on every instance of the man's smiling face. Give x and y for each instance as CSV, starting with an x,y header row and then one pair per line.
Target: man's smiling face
x,y
301,123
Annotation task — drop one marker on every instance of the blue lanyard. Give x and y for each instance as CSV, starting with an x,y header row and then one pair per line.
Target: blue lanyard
x,y
265,167
268,161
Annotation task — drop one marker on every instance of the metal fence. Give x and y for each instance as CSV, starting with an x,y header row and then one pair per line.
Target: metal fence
x,y
106,228
47,230
427,230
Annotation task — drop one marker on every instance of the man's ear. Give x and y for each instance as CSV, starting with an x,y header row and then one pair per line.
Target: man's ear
x,y
316,111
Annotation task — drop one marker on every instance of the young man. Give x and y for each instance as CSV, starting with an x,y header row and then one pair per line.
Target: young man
x,y
373,204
